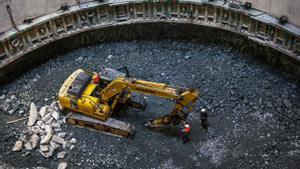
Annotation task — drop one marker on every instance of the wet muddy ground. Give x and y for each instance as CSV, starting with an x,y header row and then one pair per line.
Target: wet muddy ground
x,y
254,111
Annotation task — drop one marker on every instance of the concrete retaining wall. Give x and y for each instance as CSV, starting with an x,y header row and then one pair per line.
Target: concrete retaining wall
x,y
37,8
156,30
47,36
277,8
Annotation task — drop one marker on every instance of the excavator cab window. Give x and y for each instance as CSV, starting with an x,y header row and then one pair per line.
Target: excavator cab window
x,y
111,74
96,92
103,83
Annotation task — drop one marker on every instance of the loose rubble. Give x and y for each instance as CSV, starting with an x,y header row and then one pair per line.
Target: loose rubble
x,y
18,146
61,154
32,115
58,140
43,132
73,141
62,165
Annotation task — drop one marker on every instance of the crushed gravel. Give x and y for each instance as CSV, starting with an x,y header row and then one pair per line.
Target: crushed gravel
x,y
254,111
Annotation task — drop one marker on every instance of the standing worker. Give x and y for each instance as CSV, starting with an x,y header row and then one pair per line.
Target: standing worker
x,y
185,132
204,120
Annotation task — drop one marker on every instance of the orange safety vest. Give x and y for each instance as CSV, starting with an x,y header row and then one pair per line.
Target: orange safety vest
x,y
97,79
187,129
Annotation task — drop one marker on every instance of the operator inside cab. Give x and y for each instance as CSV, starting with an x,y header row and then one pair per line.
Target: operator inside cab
x,y
96,79
185,132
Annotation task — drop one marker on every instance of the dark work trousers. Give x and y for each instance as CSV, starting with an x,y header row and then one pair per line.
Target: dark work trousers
x,y
185,137
204,123
204,120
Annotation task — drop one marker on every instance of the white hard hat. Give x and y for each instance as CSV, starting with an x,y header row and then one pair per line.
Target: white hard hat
x,y
203,110
186,125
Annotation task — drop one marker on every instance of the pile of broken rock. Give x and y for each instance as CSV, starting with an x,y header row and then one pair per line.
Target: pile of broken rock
x,y
44,132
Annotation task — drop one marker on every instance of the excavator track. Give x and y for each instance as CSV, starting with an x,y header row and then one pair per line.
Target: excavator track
x,y
110,126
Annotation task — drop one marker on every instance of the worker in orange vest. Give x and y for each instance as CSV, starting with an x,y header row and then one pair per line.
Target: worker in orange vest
x,y
185,131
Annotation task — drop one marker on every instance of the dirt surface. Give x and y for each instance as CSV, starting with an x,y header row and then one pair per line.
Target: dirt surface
x,y
254,111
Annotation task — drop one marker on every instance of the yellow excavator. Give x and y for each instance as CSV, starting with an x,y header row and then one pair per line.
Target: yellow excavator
x,y
95,97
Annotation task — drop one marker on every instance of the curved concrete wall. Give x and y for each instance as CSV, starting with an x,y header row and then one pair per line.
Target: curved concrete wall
x,y
281,42
37,8
277,8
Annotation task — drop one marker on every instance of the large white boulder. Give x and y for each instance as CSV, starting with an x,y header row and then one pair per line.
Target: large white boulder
x,y
55,115
56,125
46,117
54,145
18,146
62,134
43,111
48,153
33,114
48,129
54,106
73,141
39,123
72,147
34,139
44,148
49,121
28,146
58,139
33,130
61,154
62,165
46,139
42,132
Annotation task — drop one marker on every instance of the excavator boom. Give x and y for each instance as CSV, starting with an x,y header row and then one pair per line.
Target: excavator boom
x,y
139,86
184,98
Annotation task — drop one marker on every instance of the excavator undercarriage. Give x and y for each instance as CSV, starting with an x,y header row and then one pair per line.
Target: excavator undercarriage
x,y
110,126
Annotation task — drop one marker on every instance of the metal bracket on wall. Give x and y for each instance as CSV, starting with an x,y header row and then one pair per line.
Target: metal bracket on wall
x,y
11,17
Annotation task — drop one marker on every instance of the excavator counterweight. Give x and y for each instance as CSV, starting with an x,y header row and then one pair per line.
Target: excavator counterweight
x,y
95,97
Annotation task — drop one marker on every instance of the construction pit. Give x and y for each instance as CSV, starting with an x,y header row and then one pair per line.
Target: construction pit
x,y
251,92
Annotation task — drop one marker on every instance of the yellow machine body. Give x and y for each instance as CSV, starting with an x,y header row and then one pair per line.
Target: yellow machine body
x,y
86,104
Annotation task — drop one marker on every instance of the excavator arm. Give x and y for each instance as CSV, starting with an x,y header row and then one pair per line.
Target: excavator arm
x,y
184,98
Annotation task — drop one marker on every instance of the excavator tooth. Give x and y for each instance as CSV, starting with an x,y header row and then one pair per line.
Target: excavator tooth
x,y
151,124
157,126
165,121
